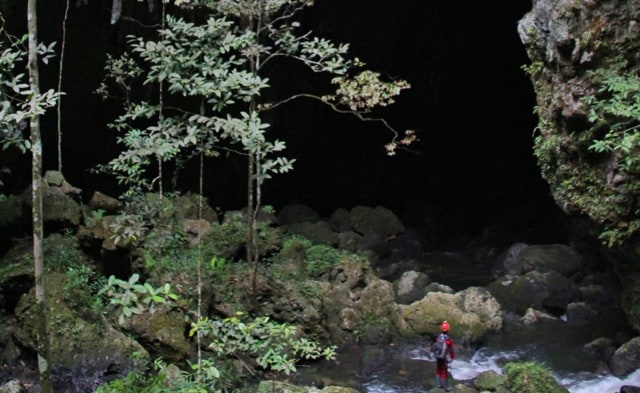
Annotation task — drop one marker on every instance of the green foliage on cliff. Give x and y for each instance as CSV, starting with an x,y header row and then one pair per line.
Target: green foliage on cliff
x,y
593,164
614,116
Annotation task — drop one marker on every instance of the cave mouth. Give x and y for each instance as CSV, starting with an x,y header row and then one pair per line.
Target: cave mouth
x,y
470,104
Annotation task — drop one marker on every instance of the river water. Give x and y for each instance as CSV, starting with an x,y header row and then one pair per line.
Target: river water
x,y
408,367
391,380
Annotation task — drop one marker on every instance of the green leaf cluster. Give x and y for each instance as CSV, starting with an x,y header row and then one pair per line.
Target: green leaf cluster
x,y
131,297
18,101
201,66
614,116
615,109
274,346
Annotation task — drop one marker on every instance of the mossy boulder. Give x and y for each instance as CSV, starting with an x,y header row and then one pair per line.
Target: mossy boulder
x,y
472,314
411,286
546,257
357,302
489,381
90,349
163,333
378,221
626,359
544,291
319,232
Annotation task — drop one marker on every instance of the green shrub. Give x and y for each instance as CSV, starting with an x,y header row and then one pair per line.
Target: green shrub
x,y
320,259
227,240
82,285
271,345
531,377
61,252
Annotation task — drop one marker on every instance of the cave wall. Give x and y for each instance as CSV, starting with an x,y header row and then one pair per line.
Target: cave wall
x,y
566,40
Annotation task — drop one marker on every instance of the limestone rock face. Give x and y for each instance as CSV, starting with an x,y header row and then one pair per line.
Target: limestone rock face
x,y
567,41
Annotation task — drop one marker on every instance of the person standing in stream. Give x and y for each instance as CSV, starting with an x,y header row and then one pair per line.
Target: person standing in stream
x,y
444,353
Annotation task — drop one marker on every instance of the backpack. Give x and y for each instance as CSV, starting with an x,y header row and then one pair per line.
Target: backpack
x,y
440,346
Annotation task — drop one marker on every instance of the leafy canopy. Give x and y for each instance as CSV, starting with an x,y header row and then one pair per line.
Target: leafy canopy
x,y
16,104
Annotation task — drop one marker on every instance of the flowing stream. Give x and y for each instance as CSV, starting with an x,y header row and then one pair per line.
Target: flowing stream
x,y
409,367
392,380
488,359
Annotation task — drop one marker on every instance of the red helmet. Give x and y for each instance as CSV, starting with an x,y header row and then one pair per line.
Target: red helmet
x,y
444,327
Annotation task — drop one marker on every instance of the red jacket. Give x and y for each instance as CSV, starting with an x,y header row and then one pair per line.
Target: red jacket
x,y
451,354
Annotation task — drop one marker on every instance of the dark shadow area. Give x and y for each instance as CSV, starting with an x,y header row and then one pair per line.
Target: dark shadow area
x,y
470,104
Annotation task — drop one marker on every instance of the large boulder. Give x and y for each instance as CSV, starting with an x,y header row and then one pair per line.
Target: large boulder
x,y
193,206
626,359
357,302
297,213
472,314
545,291
542,258
81,350
489,380
411,286
104,202
59,200
319,232
376,222
162,332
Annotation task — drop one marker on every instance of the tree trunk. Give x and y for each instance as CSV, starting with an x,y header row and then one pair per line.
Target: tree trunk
x,y
36,155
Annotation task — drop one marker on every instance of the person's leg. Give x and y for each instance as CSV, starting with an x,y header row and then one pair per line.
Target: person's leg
x,y
441,374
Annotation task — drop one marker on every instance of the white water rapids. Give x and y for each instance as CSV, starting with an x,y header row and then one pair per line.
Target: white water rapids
x,y
485,359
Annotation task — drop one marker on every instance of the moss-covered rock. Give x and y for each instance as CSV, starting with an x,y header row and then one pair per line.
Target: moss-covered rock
x,y
489,381
378,221
550,291
91,349
472,313
546,257
318,232
163,333
626,359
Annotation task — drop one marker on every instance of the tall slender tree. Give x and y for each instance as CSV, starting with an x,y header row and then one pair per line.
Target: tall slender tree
x,y
61,67
36,171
